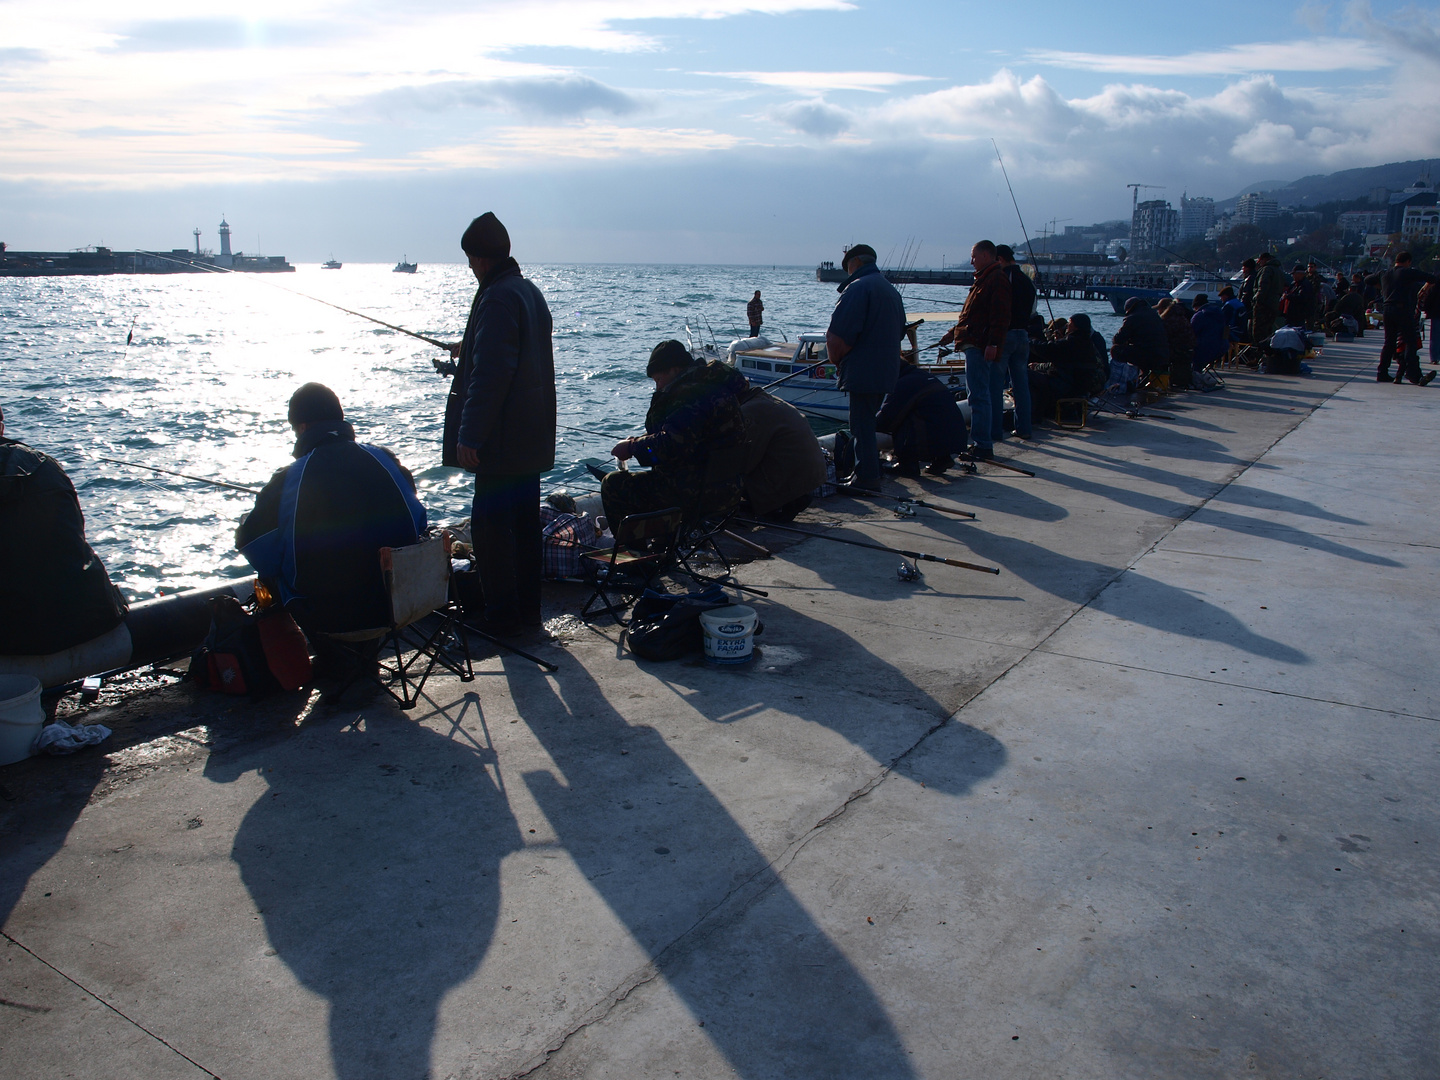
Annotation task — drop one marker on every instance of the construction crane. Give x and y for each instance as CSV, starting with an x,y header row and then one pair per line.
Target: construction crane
x,y
1135,199
1048,230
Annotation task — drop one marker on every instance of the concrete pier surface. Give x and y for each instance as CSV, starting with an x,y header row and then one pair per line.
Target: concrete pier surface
x,y
1159,800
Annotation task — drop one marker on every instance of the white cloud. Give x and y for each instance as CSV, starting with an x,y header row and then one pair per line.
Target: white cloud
x,y
814,118
1314,54
820,81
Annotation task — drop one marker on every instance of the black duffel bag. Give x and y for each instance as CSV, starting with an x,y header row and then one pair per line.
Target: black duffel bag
x,y
666,626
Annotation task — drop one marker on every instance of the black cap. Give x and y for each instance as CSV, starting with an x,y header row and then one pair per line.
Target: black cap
x,y
863,251
1005,251
486,238
314,403
667,356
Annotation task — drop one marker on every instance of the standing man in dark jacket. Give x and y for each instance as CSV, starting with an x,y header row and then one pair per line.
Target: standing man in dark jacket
x,y
1398,288
315,534
980,331
755,313
863,341
1265,311
54,592
1015,356
500,425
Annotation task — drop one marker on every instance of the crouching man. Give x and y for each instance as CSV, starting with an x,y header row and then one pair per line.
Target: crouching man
x,y
692,441
315,534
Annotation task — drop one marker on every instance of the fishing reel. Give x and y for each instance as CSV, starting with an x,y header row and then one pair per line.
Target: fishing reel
x,y
908,571
903,509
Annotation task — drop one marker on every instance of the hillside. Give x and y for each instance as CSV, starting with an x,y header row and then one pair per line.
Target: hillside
x,y
1348,184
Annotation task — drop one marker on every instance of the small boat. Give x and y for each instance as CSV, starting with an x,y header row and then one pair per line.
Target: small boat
x,y
817,393
403,267
1119,294
331,263
1197,283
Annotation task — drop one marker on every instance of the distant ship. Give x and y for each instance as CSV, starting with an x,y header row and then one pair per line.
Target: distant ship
x,y
331,263
403,267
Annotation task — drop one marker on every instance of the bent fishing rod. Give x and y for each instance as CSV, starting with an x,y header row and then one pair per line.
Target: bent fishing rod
x,y
296,292
873,547
183,476
1031,247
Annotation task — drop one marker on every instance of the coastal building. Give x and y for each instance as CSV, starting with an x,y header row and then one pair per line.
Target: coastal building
x,y
1421,224
1419,194
1255,207
1360,222
1197,216
1155,225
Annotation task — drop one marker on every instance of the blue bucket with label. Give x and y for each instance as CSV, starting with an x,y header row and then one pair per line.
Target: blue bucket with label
x,y
729,634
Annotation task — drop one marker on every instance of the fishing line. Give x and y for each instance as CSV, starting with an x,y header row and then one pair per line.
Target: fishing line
x,y
307,296
183,476
1029,246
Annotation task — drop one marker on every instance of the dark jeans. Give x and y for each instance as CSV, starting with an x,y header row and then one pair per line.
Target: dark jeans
x,y
1014,362
505,528
1401,335
754,329
863,408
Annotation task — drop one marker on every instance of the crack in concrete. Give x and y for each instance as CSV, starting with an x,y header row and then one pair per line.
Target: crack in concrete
x,y
91,993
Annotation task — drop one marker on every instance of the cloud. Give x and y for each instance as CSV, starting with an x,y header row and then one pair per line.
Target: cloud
x,y
514,146
814,118
551,97
820,81
207,35
1316,54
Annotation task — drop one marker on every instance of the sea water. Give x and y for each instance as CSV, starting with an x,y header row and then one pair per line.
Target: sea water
x,y
203,385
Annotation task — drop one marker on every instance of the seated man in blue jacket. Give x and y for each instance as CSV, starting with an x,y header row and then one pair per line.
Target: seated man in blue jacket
x,y
315,535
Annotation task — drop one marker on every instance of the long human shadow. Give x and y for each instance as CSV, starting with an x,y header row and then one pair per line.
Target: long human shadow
x,y
374,858
1212,514
1154,603
43,796
664,853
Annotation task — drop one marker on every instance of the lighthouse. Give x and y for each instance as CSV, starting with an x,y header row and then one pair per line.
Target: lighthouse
x,y
225,259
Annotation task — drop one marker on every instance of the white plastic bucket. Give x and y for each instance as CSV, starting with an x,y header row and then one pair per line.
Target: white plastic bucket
x,y
729,634
1317,339
21,717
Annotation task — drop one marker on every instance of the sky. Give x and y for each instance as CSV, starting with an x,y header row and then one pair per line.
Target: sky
x,y
691,131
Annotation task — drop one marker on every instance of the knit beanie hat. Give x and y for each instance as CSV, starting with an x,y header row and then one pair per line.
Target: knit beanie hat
x,y
486,238
667,356
315,403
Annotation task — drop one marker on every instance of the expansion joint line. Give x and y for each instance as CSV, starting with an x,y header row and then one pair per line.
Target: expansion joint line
x,y
129,1020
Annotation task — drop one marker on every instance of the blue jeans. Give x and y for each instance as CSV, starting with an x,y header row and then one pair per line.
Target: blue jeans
x,y
863,408
983,378
1014,362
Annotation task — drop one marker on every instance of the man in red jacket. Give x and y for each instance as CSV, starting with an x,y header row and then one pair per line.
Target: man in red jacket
x,y
980,332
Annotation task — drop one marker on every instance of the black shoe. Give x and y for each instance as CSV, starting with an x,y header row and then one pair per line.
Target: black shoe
x,y
939,467
1427,378
1399,378
858,484
1383,376
981,453
903,468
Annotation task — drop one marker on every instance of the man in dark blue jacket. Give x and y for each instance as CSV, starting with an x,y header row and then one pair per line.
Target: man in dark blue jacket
x,y
500,425
863,341
315,534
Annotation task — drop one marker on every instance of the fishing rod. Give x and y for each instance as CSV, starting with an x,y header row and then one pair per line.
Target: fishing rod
x,y
904,499
996,461
183,476
1031,247
296,292
873,547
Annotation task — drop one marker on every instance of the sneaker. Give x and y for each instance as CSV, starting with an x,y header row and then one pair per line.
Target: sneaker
x,y
858,484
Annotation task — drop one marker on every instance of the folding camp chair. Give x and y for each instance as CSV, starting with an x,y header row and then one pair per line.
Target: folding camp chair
x,y
417,583
645,546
